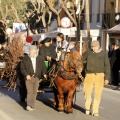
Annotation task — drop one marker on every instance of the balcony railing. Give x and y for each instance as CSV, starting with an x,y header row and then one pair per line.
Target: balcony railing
x,y
108,20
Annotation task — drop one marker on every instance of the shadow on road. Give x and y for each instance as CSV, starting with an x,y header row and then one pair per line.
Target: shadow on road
x,y
46,99
4,91
79,108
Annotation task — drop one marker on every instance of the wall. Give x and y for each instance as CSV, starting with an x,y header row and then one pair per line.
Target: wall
x,y
96,11
110,6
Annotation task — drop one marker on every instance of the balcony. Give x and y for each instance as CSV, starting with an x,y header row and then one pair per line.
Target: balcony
x,y
108,20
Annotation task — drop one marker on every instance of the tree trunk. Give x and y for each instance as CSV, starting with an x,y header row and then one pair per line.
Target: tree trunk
x,y
43,19
58,20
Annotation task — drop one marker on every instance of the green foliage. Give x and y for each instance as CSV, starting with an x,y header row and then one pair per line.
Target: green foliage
x,y
55,2
19,5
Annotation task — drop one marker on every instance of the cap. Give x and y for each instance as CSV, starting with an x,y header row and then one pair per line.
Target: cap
x,y
33,47
29,39
95,43
47,39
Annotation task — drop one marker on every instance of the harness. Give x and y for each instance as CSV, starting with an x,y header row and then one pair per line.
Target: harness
x,y
59,70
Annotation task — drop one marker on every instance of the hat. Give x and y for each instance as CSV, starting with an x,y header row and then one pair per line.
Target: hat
x,y
33,47
29,39
46,40
95,43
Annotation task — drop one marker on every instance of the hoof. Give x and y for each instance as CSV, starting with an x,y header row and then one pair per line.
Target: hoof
x,y
61,111
69,112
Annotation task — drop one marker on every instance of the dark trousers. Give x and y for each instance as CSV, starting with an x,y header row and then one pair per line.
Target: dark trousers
x,y
115,78
32,87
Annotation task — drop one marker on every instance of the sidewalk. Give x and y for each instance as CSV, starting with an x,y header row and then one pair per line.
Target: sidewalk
x,y
109,86
112,87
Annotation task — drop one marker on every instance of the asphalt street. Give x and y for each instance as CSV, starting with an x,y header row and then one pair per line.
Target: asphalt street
x,y
12,109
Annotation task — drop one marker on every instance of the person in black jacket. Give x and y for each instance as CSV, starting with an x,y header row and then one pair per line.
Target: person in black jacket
x,y
115,65
32,67
48,50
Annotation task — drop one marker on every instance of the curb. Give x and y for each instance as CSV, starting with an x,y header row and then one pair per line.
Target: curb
x,y
113,87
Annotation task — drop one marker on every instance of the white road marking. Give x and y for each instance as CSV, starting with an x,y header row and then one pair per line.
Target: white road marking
x,y
112,91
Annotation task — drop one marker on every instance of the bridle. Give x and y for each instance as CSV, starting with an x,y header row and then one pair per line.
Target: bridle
x,y
76,65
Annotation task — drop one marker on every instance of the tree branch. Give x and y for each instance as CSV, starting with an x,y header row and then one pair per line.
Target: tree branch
x,y
68,13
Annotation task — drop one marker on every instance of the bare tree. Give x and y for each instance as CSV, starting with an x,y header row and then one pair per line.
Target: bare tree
x,y
12,58
38,11
73,12
13,10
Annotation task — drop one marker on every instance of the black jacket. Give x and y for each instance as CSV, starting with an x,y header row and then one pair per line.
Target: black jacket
x,y
27,68
115,60
47,51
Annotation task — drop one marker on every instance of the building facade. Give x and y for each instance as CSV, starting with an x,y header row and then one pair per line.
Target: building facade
x,y
96,11
103,17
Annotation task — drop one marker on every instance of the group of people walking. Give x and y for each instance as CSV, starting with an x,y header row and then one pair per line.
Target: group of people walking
x,y
97,69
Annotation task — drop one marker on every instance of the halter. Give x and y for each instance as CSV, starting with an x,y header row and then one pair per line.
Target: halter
x,y
75,65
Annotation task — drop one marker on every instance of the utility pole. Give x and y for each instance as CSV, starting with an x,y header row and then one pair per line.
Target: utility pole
x,y
78,19
87,19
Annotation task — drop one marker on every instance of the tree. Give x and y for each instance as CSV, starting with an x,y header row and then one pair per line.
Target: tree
x,y
73,12
40,13
12,9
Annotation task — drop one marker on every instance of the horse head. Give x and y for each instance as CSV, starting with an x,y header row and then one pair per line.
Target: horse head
x,y
75,62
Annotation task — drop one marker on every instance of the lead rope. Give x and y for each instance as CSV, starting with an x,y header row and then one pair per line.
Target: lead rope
x,y
53,74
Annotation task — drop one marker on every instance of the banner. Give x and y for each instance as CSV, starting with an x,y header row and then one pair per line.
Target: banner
x,y
17,27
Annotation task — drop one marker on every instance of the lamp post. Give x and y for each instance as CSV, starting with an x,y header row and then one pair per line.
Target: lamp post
x,y
78,19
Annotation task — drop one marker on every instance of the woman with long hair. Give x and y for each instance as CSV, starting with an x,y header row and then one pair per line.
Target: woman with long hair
x,y
61,44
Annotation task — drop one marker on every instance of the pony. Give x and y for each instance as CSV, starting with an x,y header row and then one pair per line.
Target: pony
x,y
68,70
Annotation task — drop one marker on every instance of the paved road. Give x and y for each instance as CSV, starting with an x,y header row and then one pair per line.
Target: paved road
x,y
12,109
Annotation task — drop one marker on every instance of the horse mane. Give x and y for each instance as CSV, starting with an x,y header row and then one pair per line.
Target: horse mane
x,y
84,46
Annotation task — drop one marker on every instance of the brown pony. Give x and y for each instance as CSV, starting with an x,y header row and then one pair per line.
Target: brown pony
x,y
69,69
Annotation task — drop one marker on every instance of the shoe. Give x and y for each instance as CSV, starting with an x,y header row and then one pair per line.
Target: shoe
x,y
33,108
87,112
28,108
95,114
